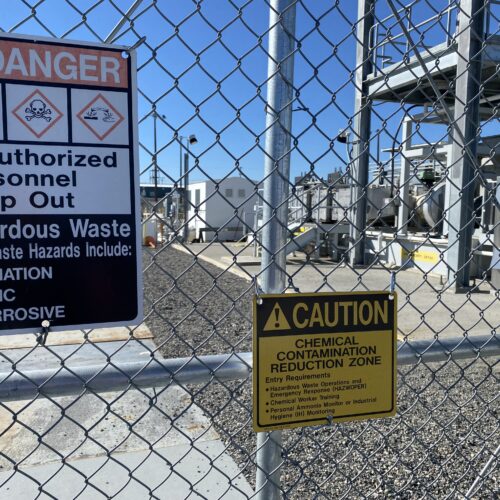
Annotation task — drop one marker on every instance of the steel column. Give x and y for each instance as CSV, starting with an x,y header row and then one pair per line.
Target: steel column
x,y
185,197
361,142
463,154
275,216
495,260
404,179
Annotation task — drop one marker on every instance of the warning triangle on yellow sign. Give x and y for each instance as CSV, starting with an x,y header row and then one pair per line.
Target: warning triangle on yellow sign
x,y
276,320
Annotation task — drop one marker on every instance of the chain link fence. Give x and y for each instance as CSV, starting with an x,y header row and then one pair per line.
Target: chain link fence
x,y
285,145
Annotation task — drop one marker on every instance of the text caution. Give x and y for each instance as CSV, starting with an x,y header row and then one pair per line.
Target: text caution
x,y
322,357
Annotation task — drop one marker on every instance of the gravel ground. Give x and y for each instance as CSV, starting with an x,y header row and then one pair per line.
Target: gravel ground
x,y
445,431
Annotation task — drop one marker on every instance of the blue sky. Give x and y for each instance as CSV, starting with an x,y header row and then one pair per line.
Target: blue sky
x,y
198,44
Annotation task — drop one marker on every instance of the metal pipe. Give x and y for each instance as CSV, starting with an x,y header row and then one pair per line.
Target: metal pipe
x,y
278,143
448,24
454,348
408,26
71,380
276,189
122,21
181,138
122,376
185,199
483,474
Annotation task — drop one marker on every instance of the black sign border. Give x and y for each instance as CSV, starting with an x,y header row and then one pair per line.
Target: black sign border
x,y
258,300
132,146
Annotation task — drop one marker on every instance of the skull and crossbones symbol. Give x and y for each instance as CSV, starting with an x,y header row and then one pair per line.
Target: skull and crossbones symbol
x,y
38,109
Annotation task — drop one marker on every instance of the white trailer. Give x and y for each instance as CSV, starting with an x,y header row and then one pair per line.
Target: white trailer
x,y
221,207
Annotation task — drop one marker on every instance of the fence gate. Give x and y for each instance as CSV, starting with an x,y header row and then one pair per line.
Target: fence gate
x,y
284,146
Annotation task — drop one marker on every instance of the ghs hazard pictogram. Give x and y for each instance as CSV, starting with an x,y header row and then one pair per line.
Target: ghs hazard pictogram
x,y
37,113
276,320
100,117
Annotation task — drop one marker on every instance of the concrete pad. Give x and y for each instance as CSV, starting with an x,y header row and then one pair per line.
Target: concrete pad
x,y
19,341
173,473
424,308
89,353
89,430
216,261
243,260
90,425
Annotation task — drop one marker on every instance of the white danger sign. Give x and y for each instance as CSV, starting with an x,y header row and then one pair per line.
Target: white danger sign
x,y
69,211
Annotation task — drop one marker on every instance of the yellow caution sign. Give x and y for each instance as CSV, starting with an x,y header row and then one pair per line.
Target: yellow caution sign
x,y
323,357
419,255
276,320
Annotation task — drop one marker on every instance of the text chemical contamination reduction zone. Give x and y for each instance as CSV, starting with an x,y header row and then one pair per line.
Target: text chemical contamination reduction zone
x,y
69,218
323,357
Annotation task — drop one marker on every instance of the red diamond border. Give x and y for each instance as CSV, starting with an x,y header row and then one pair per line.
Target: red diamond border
x,y
52,105
99,136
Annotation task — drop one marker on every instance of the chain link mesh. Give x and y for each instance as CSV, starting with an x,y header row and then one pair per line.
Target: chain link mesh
x,y
394,169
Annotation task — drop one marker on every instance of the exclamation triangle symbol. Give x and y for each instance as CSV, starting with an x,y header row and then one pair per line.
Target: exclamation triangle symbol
x,y
276,320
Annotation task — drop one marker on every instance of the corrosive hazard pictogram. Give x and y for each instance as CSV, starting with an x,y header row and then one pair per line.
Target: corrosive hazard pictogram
x,y
37,113
276,320
100,117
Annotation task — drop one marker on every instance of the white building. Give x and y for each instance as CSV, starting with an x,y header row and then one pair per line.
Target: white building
x,y
225,206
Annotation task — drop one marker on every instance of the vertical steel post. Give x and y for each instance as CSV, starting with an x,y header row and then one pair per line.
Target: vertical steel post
x,y
155,158
361,142
495,260
463,153
404,179
181,138
185,231
180,191
276,189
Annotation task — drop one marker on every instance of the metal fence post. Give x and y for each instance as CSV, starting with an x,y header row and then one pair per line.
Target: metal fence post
x,y
276,188
185,199
467,93
155,158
